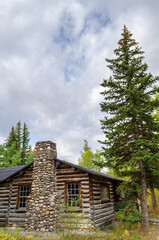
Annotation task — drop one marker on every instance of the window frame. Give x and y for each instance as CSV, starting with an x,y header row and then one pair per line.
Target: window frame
x,y
66,189
18,195
103,186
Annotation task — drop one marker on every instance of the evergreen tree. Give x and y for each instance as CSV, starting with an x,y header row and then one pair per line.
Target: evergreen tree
x,y
131,132
10,156
11,138
25,143
18,135
16,149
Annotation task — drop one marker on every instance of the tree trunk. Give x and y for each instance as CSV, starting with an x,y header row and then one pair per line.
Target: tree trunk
x,y
154,202
143,198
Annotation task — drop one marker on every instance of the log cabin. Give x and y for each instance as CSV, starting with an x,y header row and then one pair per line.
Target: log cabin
x,y
31,195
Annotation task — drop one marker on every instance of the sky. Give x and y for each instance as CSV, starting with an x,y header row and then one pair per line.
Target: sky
x,y
52,62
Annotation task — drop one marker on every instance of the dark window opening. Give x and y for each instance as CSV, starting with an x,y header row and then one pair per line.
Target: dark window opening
x,y
23,194
104,193
73,194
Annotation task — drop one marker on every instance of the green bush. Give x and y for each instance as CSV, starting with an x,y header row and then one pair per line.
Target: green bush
x,y
129,213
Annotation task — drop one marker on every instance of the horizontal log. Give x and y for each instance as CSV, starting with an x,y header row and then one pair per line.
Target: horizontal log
x,y
72,176
97,188
104,219
59,170
14,194
4,191
62,173
84,186
97,193
104,223
3,207
103,215
12,206
62,187
101,181
103,210
14,190
4,187
4,199
2,215
84,191
14,198
3,195
17,220
17,215
14,186
60,184
71,179
2,219
85,205
84,200
22,181
98,197
85,195
3,211
97,202
3,203
84,182
103,205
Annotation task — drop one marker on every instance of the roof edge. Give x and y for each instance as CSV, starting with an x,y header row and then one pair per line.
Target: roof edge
x,y
15,173
90,171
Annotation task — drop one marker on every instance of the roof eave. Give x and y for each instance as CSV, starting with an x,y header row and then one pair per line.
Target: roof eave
x,y
15,173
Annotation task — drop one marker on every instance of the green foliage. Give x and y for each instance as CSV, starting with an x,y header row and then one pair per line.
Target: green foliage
x,y
127,101
16,150
129,213
25,143
89,159
18,137
119,232
131,146
6,236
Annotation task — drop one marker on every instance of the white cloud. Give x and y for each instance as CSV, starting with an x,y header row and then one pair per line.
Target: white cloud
x,y
52,62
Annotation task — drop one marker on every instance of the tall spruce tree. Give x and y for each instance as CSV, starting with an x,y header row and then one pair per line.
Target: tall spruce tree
x,y
131,132
18,133
11,138
25,143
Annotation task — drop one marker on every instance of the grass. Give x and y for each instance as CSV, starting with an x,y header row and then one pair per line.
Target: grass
x,y
153,213
119,232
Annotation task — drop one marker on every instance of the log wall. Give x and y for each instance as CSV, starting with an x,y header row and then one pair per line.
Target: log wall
x,y
95,212
10,215
102,211
4,202
66,174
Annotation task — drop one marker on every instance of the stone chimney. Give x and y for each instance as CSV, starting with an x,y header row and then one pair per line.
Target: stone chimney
x,y
41,203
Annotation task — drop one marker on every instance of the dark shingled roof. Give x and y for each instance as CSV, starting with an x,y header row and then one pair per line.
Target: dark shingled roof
x,y
6,173
9,172
93,172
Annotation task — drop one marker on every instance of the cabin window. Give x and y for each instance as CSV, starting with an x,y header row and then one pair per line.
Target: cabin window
x,y
23,193
104,193
73,194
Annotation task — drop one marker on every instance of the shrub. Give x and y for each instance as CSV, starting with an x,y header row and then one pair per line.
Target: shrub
x,y
129,213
